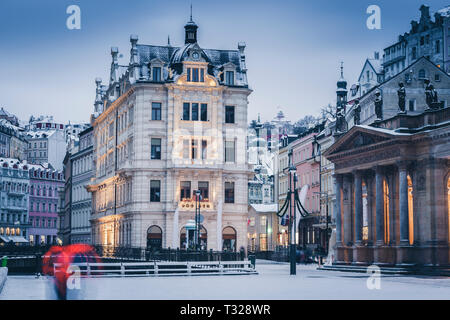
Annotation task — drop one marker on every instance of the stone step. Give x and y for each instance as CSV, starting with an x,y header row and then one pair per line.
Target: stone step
x,y
389,270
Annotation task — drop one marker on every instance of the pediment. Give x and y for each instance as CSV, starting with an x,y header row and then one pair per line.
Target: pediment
x,y
358,137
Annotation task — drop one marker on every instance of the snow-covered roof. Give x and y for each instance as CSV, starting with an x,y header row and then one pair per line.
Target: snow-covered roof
x,y
264,207
377,65
11,162
35,134
445,12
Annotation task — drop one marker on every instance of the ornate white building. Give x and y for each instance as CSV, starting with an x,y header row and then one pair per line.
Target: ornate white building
x,y
172,122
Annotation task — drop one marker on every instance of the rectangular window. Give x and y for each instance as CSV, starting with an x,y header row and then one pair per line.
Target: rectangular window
x,y
186,149
229,192
438,46
156,74
229,151
204,112
111,129
188,74
156,111
412,104
194,112
156,149
230,78
203,186
229,114
195,75
155,191
194,145
414,53
204,149
185,190
131,115
186,111
202,75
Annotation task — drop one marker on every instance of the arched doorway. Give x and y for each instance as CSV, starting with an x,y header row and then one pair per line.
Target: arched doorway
x,y
188,242
229,239
154,238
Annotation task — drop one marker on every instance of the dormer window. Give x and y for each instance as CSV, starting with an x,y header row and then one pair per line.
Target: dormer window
x,y
229,79
156,74
195,74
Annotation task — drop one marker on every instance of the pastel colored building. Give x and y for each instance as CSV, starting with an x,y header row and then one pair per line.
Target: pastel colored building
x,y
43,210
307,162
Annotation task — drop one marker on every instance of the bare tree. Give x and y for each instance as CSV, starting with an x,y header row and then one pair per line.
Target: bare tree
x,y
328,112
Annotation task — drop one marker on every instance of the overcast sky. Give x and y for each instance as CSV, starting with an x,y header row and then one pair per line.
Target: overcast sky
x,y
293,53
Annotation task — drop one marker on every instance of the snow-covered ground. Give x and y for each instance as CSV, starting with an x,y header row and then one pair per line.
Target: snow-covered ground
x,y
272,282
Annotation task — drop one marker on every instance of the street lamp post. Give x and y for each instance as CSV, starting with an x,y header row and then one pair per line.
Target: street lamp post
x,y
197,219
292,220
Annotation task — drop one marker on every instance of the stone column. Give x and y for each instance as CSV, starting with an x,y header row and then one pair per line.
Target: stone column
x,y
403,203
338,211
379,205
347,209
358,206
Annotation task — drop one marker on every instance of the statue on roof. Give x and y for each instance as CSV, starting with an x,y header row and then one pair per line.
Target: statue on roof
x,y
401,92
378,105
431,96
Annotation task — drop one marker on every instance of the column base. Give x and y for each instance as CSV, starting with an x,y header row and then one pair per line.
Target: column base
x,y
361,255
384,256
344,255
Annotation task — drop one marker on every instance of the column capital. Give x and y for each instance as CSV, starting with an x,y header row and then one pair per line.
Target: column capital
x,y
404,164
380,169
357,173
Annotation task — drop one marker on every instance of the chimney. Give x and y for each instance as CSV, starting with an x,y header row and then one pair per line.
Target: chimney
x,y
377,55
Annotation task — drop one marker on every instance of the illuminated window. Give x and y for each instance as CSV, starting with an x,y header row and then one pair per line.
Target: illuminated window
x,y
203,186
386,211
185,190
410,210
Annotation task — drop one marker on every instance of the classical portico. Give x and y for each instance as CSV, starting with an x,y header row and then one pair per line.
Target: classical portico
x,y
392,191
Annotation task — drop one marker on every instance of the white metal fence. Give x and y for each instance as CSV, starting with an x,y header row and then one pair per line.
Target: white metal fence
x,y
127,269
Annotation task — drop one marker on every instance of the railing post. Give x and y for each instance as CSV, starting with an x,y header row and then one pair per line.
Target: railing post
x,y
122,269
88,269
188,267
156,268
220,267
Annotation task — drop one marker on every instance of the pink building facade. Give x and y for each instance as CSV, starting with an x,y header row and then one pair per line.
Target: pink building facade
x,y
306,159
44,184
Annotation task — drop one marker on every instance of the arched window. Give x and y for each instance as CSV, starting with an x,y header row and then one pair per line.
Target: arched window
x,y
229,239
154,238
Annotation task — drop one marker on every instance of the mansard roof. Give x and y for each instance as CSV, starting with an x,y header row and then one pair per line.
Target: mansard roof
x,y
171,55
